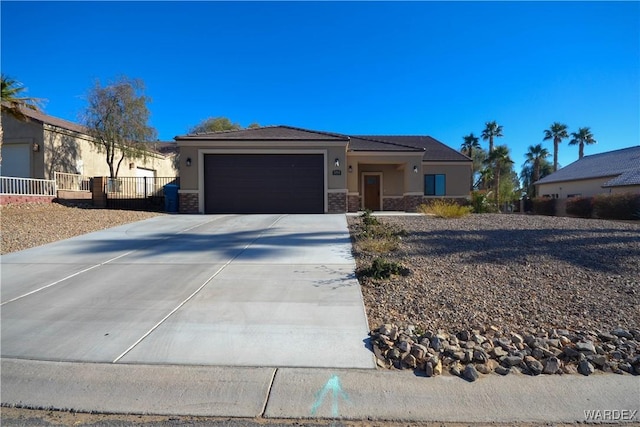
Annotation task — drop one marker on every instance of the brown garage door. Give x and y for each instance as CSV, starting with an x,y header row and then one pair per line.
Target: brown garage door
x,y
264,183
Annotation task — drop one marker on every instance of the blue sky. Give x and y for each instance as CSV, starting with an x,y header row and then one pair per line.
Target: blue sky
x,y
436,68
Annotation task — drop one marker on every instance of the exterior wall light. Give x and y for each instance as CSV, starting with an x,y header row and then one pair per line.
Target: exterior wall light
x,y
350,168
337,162
188,162
36,148
415,169
132,165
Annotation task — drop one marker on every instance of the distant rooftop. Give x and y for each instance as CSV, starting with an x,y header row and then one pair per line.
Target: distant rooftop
x,y
623,166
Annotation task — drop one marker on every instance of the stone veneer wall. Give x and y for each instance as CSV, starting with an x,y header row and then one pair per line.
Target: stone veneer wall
x,y
188,202
353,203
337,202
411,203
393,203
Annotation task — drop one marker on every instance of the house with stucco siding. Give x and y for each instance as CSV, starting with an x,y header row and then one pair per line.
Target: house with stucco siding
x,y
43,144
605,173
283,169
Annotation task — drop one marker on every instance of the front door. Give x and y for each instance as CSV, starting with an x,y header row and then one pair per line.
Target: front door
x,y
372,192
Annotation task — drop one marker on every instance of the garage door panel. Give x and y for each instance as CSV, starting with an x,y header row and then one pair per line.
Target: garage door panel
x,y
264,183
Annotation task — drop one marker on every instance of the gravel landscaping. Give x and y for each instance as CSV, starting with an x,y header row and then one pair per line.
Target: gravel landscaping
x,y
506,280
33,224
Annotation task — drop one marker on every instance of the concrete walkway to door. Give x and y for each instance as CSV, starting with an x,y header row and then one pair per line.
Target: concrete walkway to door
x,y
230,290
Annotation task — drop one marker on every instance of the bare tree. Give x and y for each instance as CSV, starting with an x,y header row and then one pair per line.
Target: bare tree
x,y
117,118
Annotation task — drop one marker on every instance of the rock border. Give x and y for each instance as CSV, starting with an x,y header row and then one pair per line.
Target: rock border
x,y
469,353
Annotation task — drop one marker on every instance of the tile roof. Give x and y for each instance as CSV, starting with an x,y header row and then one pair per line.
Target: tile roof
x,y
434,150
267,133
622,164
631,177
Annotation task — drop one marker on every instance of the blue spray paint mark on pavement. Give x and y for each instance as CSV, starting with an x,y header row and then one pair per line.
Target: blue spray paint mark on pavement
x,y
333,386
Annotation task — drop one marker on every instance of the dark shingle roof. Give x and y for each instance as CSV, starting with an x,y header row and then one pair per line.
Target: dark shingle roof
x,y
267,133
434,150
622,164
363,143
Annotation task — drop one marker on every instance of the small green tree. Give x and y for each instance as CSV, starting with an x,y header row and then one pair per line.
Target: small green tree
x,y
219,124
117,118
215,124
526,175
499,159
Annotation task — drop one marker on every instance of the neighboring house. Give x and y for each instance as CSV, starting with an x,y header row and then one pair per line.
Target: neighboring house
x,y
611,172
282,169
43,144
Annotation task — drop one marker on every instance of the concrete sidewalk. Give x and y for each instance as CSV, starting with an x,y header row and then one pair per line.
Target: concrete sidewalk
x,y
316,393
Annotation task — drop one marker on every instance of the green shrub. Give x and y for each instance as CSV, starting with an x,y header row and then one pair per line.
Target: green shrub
x,y
382,269
544,206
480,202
580,206
368,220
443,208
617,206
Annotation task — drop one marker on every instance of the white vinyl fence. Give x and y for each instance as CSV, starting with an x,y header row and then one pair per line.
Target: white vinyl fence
x,y
27,186
72,181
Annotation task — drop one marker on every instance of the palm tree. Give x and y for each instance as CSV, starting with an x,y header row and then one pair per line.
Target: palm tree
x,y
491,130
557,132
499,158
486,176
12,100
581,138
526,175
467,147
536,154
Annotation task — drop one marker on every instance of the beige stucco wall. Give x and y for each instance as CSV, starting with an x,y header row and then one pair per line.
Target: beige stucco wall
x,y
458,176
585,188
31,132
398,177
63,150
74,153
625,189
190,176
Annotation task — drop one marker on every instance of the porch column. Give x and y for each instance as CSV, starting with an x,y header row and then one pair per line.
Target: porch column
x,y
353,195
413,185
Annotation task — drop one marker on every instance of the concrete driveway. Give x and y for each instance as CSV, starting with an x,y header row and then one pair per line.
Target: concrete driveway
x,y
232,290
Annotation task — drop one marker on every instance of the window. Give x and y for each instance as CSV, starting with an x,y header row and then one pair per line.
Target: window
x,y
434,185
